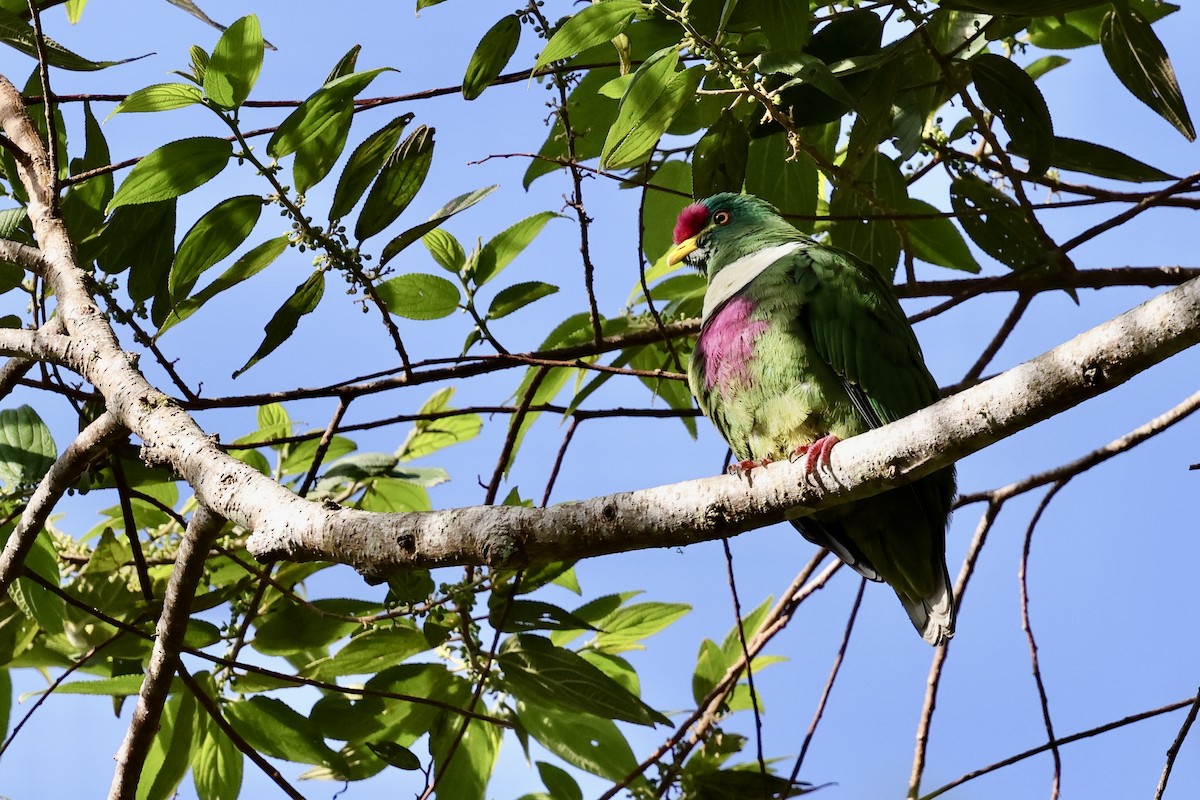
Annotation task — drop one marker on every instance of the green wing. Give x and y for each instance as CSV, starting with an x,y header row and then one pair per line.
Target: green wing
x,y
859,329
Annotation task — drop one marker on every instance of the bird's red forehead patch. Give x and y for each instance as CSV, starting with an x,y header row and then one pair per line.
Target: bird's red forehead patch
x,y
691,221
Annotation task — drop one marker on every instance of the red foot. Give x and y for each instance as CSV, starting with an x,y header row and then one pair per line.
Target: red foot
x,y
817,454
744,467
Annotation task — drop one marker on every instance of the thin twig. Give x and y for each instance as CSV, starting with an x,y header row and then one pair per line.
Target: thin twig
x,y
214,713
741,634
1075,737
1043,700
323,446
1173,750
933,681
131,528
833,673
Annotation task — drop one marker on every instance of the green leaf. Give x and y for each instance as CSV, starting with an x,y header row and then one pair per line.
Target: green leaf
x,y
719,161
159,97
499,252
661,208
249,265
275,729
537,670
284,322
786,24
170,753
319,154
518,296
364,164
395,755
297,628
625,627
1095,159
235,63
1010,93
1045,64
531,615
116,686
141,237
936,240
590,743
37,602
1140,61
874,241
789,185
216,763
27,449
320,110
445,249
995,223
172,170
460,203
398,183
431,435
590,26
559,782
491,55
214,236
710,668
591,114
655,95
19,34
419,296
464,774
371,652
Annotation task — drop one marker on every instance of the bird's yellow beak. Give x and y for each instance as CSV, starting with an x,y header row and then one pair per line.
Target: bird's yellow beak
x,y
680,251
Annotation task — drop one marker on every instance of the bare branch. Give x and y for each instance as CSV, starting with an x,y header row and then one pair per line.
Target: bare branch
x,y
88,446
201,532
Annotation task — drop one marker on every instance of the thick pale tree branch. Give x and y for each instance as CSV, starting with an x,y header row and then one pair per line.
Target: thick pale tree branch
x,y
201,532
685,513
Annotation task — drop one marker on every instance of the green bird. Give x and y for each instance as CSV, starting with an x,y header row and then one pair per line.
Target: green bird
x,y
803,345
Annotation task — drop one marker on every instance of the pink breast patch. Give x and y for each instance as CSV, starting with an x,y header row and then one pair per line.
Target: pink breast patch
x,y
727,344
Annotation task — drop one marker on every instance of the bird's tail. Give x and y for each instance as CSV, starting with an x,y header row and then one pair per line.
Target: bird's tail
x,y
933,615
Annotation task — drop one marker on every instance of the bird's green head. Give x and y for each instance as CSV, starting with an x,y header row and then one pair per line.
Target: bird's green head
x,y
721,229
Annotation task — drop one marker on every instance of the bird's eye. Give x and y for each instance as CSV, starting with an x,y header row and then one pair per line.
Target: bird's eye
x,y
722,217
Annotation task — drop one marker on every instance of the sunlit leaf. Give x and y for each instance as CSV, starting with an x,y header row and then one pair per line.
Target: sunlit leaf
x,y
460,203
26,447
277,730
491,55
284,322
590,26
320,110
655,95
249,265
235,63
364,164
419,296
214,236
398,183
517,296
1140,61
159,97
499,252
171,170
936,240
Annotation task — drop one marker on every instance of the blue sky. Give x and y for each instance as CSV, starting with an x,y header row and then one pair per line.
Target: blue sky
x,y
1112,570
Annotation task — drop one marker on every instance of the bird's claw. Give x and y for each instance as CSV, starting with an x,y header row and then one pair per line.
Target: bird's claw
x,y
743,468
816,455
